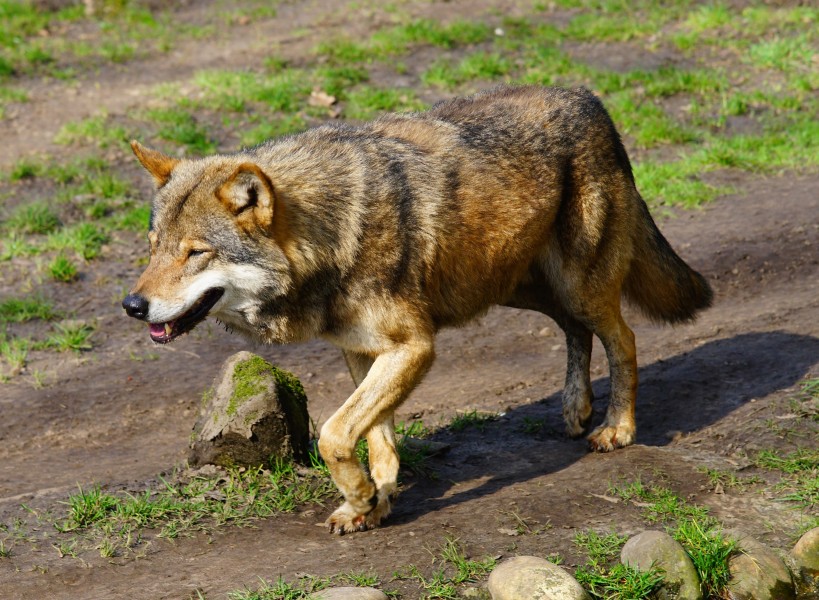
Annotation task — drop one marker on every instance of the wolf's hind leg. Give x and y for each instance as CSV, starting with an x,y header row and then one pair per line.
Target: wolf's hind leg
x,y
577,392
358,364
618,429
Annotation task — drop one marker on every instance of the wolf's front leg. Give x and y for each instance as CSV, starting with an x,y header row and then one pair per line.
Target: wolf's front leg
x,y
368,412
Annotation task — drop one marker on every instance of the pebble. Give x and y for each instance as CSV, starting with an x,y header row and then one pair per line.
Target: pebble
x,y
805,555
757,573
533,578
658,549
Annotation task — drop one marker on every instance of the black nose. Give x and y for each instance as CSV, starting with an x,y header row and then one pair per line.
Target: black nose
x,y
136,306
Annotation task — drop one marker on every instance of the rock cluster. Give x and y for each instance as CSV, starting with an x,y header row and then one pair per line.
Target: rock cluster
x,y
757,573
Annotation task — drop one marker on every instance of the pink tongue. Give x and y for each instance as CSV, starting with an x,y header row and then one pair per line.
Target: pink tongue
x,y
157,329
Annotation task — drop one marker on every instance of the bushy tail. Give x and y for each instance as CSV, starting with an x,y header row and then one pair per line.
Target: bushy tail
x,y
659,281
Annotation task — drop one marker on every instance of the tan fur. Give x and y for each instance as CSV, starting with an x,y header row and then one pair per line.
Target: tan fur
x,y
376,237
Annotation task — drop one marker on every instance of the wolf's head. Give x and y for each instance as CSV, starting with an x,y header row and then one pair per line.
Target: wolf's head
x,y
212,242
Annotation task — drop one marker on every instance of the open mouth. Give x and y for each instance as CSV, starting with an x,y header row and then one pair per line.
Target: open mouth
x,y
162,333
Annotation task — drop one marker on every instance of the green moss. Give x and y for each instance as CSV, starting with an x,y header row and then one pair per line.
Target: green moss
x,y
247,380
207,396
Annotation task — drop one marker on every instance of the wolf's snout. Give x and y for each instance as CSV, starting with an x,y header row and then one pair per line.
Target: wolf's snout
x,y
136,306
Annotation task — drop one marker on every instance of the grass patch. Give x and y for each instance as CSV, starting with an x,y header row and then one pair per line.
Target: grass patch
x,y
479,65
196,502
337,80
619,582
93,130
85,239
181,127
782,53
283,91
13,352
646,122
473,418
607,580
699,534
456,569
800,482
272,128
400,39
36,217
62,269
71,336
366,102
281,590
20,310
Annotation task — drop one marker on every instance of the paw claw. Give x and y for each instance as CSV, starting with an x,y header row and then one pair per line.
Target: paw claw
x,y
346,520
607,438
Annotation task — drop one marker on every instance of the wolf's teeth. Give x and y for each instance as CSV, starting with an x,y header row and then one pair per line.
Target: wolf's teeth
x,y
168,329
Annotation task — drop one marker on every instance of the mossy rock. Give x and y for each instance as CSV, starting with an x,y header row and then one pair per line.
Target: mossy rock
x,y
252,413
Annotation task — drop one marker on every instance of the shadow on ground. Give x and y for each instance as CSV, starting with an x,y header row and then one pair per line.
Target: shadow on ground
x,y
681,394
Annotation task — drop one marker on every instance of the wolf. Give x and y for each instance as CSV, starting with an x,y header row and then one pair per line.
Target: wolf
x,y
376,236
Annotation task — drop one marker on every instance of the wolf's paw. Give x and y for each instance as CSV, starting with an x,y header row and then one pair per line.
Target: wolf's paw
x,y
576,420
607,437
346,520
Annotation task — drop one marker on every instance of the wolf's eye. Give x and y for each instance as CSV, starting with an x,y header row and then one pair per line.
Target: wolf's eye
x,y
192,253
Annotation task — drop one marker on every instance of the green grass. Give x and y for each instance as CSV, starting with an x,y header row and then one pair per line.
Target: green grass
x,y
599,548
237,496
20,310
337,80
709,550
14,353
283,91
782,53
699,534
619,582
85,239
646,122
93,130
71,336
62,269
366,102
800,482
272,128
728,479
478,65
473,418
398,40
456,569
281,590
36,217
181,127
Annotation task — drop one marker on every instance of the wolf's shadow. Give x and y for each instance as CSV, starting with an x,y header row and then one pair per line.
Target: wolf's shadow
x,y
684,393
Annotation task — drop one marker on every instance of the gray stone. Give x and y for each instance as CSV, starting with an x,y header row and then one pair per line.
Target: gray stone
x,y
349,593
533,578
253,412
757,573
805,555
658,549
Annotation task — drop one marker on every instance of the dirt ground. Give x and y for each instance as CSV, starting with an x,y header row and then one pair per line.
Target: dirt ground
x,y
122,414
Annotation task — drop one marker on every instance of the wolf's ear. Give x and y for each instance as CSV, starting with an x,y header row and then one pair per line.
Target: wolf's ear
x,y
156,163
249,193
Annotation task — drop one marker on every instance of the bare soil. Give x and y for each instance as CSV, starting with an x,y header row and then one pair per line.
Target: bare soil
x,y
711,393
